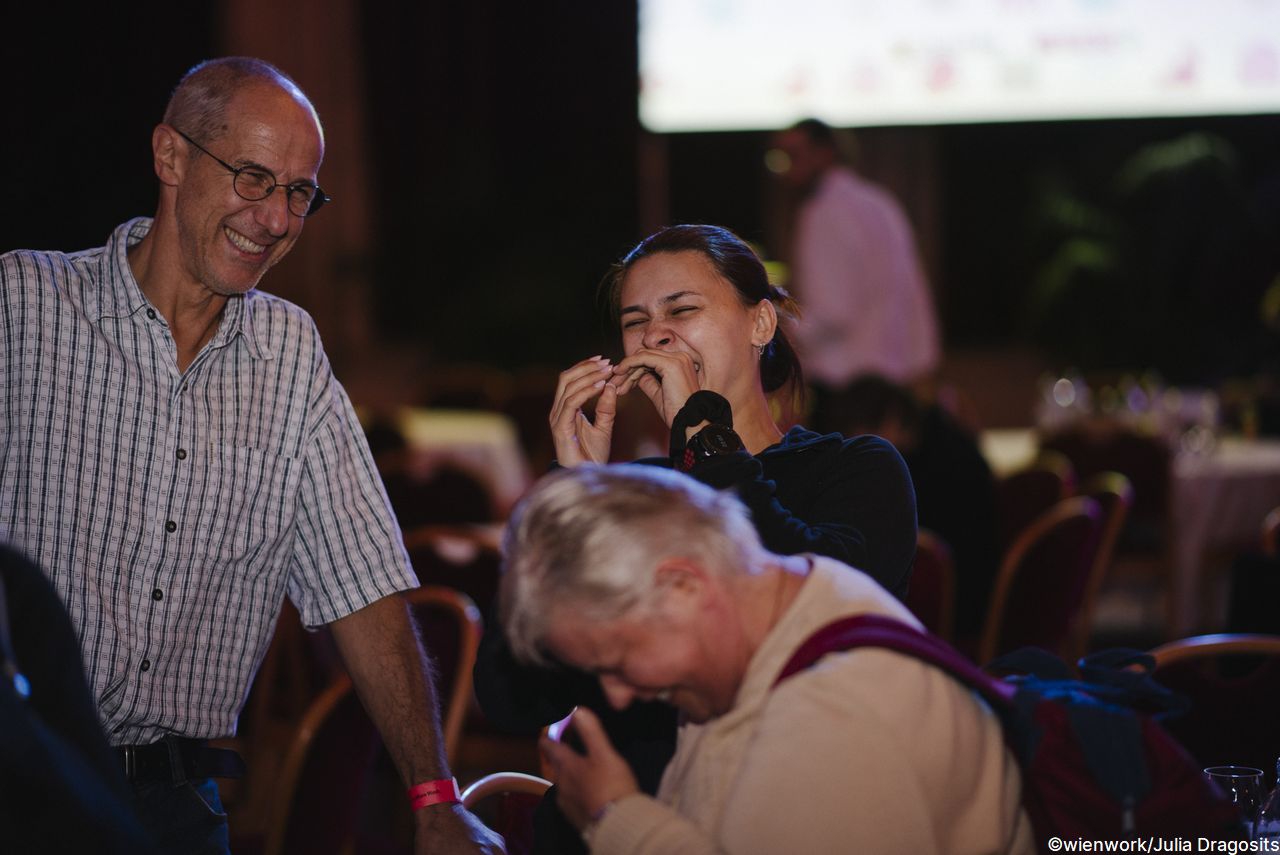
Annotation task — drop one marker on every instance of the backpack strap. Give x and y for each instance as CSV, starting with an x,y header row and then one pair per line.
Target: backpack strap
x,y
872,630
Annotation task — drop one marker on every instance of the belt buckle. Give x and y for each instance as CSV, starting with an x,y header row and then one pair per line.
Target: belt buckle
x,y
130,762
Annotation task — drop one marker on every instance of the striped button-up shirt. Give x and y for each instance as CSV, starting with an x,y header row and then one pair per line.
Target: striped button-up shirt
x,y
174,510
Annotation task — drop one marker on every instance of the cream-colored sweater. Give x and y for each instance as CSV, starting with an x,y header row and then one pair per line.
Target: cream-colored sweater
x,y
867,751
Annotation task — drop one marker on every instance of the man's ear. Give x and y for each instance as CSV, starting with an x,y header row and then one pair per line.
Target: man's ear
x,y
169,153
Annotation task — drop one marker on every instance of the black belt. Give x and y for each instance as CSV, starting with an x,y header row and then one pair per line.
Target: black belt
x,y
176,759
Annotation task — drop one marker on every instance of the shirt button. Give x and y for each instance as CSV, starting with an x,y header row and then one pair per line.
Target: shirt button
x,y
171,526
145,666
151,313
182,454
157,595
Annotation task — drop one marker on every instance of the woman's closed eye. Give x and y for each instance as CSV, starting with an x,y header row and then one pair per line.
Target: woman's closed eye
x,y
636,321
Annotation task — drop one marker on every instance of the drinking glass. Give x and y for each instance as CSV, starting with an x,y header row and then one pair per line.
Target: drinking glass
x,y
1244,785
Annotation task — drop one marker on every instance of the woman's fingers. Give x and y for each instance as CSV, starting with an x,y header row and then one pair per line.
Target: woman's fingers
x,y
576,386
629,381
606,407
668,379
661,361
575,439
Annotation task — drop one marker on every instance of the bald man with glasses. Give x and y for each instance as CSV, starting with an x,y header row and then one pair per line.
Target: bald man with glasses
x,y
177,455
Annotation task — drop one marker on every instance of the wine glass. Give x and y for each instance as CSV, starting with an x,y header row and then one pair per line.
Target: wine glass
x,y
1244,785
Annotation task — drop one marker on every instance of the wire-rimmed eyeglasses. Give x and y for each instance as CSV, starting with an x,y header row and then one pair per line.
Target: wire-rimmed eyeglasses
x,y
253,184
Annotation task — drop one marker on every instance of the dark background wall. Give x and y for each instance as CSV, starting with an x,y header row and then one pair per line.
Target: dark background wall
x,y
503,150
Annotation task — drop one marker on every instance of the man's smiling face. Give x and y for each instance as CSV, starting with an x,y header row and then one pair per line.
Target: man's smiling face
x,y
227,242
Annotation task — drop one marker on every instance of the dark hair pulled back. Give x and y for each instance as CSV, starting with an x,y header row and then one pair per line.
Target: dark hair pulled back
x,y
735,262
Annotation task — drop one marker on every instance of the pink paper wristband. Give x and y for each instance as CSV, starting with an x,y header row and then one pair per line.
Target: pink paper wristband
x,y
444,791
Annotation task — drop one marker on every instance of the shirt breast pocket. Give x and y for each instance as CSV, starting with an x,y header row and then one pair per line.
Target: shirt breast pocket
x,y
250,500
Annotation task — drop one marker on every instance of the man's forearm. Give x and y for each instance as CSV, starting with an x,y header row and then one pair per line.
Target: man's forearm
x,y
391,674
390,671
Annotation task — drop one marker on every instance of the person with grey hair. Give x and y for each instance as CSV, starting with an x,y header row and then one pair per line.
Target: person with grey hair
x,y
178,456
660,586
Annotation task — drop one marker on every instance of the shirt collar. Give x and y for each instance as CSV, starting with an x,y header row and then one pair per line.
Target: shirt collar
x,y
119,295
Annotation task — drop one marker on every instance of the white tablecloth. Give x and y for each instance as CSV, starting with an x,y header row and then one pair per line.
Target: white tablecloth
x,y
1219,502
1217,506
1009,449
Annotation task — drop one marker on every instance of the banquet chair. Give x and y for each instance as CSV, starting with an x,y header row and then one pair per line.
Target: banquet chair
x,y
1041,585
1233,682
1114,494
1143,458
316,803
1024,495
462,557
296,668
505,801
931,594
499,783
449,625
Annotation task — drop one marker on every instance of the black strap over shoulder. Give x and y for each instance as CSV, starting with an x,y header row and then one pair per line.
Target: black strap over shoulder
x,y
703,405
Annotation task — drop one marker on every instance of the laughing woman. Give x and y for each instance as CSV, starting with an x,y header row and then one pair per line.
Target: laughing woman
x,y
702,341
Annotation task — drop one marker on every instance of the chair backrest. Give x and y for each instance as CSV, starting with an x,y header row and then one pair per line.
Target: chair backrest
x,y
1233,681
505,801
1114,494
295,669
1022,496
1144,459
449,625
931,594
463,557
1042,581
316,804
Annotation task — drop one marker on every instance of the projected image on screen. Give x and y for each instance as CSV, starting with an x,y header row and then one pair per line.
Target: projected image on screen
x,y
757,64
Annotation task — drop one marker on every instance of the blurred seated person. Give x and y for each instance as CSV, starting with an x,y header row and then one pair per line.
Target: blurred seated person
x,y
441,494
445,494
660,587
703,345
955,490
60,787
386,442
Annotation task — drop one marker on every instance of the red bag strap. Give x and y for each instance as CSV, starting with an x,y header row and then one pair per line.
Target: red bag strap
x,y
871,630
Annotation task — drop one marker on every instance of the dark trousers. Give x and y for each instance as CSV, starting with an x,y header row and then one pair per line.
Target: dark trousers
x,y
183,819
